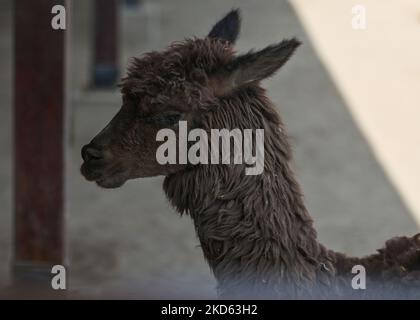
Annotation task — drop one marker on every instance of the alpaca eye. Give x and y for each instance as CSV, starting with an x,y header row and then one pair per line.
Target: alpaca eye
x,y
165,120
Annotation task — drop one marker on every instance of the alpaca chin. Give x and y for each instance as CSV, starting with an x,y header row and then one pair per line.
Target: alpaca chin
x,y
111,183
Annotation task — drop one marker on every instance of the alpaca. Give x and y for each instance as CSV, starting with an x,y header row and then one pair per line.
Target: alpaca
x,y
254,230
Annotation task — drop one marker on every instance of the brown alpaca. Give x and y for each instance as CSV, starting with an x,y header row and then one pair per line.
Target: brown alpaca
x,y
255,231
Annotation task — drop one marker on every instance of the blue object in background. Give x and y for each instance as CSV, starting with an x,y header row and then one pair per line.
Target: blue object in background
x,y
105,75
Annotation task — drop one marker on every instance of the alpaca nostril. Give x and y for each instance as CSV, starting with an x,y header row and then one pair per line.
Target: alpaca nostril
x,y
89,152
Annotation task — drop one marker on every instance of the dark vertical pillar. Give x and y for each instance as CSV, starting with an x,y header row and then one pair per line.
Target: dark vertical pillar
x,y
38,134
105,64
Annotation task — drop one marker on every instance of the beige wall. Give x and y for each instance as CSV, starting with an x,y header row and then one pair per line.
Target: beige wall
x,y
377,71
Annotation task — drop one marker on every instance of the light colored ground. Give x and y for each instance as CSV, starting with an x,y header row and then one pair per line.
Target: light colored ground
x,y
128,241
377,70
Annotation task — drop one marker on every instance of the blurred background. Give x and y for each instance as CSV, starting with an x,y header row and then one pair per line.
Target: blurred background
x,y
349,98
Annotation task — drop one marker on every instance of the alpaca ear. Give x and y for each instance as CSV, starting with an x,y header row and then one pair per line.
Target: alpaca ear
x,y
228,27
253,66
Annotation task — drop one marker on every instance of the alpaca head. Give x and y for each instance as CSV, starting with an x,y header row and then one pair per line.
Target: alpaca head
x,y
184,82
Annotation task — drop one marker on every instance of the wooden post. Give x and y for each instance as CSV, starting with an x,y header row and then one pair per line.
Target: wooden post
x,y
105,64
38,140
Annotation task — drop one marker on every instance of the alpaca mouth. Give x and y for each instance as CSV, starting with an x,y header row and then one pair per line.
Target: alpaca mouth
x,y
102,177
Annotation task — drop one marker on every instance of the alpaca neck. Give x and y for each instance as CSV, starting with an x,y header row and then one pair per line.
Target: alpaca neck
x,y
254,230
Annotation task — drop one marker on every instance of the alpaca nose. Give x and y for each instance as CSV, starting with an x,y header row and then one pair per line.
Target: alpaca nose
x,y
91,152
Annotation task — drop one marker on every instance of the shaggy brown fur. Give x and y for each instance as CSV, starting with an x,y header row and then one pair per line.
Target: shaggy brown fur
x,y
255,231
